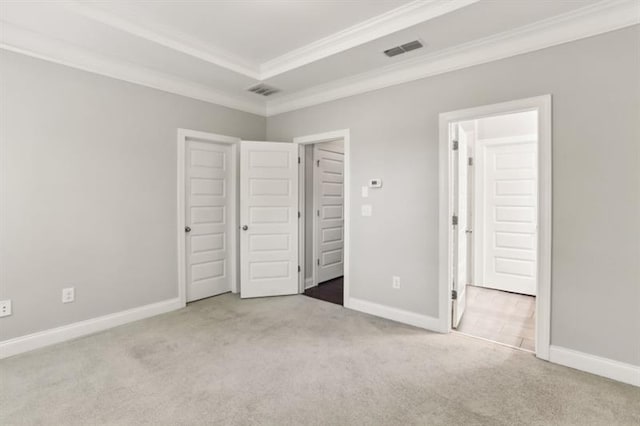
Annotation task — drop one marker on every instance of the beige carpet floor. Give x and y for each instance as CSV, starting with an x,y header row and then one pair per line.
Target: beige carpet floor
x,y
295,361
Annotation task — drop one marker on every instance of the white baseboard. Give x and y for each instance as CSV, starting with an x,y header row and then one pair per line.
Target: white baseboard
x,y
308,282
620,371
44,338
394,314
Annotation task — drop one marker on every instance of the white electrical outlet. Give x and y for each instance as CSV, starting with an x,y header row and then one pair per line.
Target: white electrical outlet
x,y
396,282
68,294
5,308
366,210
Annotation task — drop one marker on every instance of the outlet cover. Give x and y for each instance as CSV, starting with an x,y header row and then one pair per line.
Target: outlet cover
x,y
68,294
396,282
5,308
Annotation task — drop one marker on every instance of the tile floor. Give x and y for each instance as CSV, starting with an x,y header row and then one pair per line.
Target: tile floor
x,y
500,316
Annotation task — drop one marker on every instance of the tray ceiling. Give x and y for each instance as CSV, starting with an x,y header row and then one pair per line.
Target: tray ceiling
x,y
312,50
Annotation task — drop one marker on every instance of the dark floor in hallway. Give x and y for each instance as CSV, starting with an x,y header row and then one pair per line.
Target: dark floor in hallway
x,y
329,291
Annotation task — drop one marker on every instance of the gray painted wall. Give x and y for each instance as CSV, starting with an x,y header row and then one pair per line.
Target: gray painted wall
x,y
95,208
88,187
596,147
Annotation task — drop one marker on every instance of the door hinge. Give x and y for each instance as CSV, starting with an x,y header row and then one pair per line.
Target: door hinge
x,y
317,163
318,213
454,220
454,295
471,161
299,269
318,262
298,215
454,145
298,160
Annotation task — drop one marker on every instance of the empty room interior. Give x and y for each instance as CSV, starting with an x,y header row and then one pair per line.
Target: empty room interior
x,y
291,212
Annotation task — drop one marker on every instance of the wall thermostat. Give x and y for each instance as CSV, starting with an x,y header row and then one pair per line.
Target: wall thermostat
x,y
375,183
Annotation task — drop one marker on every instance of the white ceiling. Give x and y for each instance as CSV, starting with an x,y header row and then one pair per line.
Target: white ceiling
x,y
437,33
313,50
256,30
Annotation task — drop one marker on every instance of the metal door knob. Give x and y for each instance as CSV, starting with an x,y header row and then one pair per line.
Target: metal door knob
x,y
245,227
187,229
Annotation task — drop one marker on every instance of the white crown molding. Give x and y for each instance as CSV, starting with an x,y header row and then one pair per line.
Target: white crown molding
x,y
166,37
395,20
398,19
588,21
585,22
23,41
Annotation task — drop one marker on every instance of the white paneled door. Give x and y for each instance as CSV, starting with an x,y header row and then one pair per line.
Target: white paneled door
x,y
507,214
268,219
329,200
209,188
460,273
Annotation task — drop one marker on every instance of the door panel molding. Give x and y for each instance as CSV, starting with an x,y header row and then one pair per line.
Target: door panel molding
x,y
183,137
328,187
268,214
505,236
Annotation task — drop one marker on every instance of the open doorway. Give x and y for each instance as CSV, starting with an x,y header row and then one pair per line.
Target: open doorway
x,y
496,203
498,230
322,201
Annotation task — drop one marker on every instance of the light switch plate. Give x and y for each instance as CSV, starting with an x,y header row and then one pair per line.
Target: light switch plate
x,y
366,210
365,192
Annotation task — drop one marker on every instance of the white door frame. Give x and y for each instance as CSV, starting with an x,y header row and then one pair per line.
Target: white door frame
x,y
302,141
302,178
542,104
302,208
183,136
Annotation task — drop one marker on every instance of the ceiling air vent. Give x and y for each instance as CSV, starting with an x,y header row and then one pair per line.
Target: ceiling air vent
x,y
263,89
404,48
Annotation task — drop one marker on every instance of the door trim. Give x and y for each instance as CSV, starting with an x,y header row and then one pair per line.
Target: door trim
x,y
183,136
542,104
305,282
302,141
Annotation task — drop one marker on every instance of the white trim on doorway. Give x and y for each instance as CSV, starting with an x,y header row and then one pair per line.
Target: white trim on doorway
x,y
183,136
343,135
542,104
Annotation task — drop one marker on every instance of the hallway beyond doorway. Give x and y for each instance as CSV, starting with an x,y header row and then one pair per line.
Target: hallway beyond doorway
x,y
503,317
